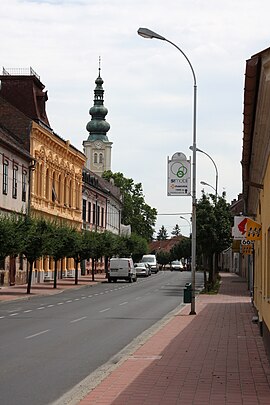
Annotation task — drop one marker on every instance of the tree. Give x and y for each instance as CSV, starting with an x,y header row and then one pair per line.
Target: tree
x,y
10,241
34,236
214,221
162,233
135,211
182,250
80,249
176,230
163,258
62,238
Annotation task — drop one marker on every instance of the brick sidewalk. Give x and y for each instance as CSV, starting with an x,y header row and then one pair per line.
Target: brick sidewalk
x,y
216,357
46,288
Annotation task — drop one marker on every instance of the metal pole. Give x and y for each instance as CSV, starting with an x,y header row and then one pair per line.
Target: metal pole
x,y
146,33
194,202
193,237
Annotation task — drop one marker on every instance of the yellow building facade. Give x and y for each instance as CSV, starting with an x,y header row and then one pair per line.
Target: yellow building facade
x,y
256,180
56,189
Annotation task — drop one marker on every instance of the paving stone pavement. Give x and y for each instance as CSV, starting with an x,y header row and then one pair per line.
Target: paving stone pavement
x,y
215,357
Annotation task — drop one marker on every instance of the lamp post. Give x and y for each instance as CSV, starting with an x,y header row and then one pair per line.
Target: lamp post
x,y
188,223
146,33
207,184
202,151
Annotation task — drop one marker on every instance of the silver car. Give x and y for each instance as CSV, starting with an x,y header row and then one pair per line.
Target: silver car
x,y
142,269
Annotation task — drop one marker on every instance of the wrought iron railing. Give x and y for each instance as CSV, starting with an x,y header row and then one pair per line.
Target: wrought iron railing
x,y
20,72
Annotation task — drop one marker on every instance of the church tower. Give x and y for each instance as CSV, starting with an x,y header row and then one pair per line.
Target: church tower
x,y
97,147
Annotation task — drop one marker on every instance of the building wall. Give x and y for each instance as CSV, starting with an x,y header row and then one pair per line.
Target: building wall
x,y
262,255
256,179
15,196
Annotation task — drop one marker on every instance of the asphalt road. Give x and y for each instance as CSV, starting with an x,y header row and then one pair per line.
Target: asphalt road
x,y
50,344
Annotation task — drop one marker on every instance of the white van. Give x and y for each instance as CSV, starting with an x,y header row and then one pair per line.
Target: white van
x,y
152,261
122,269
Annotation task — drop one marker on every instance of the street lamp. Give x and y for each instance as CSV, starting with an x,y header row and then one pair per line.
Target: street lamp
x,y
202,151
146,33
187,222
207,184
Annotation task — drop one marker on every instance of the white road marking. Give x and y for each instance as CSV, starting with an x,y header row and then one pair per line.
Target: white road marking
x,y
103,310
90,296
79,319
1,317
138,298
15,313
41,308
51,305
123,303
83,298
68,301
37,334
28,310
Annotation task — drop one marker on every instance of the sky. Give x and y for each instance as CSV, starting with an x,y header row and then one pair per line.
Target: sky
x,y
148,83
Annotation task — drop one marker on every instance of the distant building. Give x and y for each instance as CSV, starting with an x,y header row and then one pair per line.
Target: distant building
x,y
165,245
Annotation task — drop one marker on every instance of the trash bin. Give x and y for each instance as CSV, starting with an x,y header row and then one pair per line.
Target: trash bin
x,y
187,293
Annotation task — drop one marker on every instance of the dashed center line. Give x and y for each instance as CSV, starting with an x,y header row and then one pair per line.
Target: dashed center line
x,y
123,303
37,334
16,313
41,308
28,310
79,319
104,310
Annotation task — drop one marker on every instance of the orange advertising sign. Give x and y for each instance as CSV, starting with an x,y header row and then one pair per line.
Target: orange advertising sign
x,y
253,230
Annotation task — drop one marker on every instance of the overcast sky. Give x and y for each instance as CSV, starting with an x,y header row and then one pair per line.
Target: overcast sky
x,y
148,83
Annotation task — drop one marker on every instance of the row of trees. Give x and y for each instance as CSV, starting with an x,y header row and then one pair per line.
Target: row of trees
x,y
163,233
36,237
214,221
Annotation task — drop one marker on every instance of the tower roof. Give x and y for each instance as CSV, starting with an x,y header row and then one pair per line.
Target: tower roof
x,y
98,126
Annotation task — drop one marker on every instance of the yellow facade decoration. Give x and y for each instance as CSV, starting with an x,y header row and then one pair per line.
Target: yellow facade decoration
x,y
56,186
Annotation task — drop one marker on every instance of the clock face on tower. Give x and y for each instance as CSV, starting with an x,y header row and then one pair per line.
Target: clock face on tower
x,y
98,145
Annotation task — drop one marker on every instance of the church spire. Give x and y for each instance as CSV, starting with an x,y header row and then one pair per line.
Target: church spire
x,y
98,126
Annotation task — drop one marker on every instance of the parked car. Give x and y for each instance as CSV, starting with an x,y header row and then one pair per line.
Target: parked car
x,y
177,265
152,261
142,269
122,269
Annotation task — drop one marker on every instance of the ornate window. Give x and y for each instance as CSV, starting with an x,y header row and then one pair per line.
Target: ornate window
x,y
95,157
100,158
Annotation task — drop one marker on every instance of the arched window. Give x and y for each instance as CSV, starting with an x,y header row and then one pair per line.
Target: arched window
x,y
95,157
100,158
